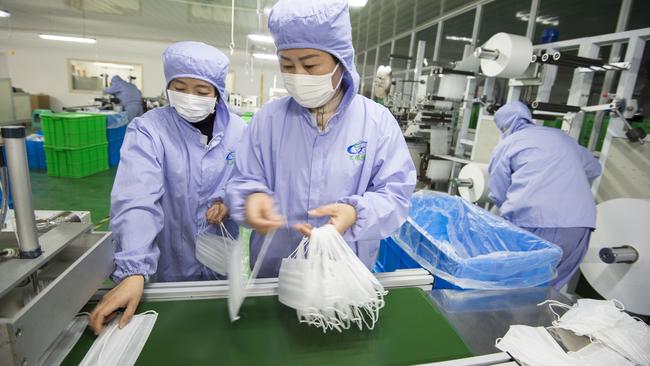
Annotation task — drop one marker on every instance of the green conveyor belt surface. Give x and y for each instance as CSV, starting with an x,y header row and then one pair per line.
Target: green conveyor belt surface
x,y
198,332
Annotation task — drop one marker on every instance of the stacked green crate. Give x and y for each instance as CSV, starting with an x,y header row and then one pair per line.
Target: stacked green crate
x,y
75,144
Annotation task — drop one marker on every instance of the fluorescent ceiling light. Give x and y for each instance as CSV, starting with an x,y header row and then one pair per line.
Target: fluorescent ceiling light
x,y
542,19
4,14
457,38
55,37
263,38
357,3
266,56
115,66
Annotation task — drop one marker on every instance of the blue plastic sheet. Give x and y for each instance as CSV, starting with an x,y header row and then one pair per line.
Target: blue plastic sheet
x,y
115,119
472,248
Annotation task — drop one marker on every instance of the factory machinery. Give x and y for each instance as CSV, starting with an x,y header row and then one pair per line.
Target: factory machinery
x,y
615,269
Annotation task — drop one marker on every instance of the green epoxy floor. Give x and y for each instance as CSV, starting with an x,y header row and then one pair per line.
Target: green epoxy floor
x,y
91,193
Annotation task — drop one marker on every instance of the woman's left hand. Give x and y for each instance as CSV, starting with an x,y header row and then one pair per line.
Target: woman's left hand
x,y
217,213
342,216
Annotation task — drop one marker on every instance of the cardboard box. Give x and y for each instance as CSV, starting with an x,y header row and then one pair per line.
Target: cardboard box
x,y
40,101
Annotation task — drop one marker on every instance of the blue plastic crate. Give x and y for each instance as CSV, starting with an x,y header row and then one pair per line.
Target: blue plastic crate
x,y
391,257
114,147
35,154
11,201
116,133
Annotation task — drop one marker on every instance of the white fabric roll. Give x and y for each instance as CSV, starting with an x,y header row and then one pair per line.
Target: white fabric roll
x,y
515,53
479,191
622,221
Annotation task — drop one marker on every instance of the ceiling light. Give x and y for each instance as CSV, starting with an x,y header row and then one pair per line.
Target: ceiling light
x,y
263,38
357,3
457,38
55,37
542,19
266,56
112,65
4,14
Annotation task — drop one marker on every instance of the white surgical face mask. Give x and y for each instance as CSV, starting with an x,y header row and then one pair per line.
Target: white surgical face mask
x,y
213,250
121,347
311,91
192,108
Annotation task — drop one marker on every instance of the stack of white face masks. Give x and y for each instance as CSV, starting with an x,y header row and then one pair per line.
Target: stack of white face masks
x,y
605,322
121,347
328,285
534,346
214,251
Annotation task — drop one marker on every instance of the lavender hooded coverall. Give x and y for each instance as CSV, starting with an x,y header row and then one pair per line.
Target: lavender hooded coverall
x,y
360,159
128,94
168,177
540,179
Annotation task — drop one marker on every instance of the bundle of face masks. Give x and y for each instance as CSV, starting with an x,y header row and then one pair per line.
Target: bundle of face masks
x,y
328,285
617,339
214,250
606,322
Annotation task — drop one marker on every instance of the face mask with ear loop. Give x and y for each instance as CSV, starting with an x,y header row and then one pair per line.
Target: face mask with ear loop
x,y
121,347
311,91
193,108
213,250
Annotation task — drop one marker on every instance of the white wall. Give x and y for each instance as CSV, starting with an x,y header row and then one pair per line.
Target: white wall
x,y
40,66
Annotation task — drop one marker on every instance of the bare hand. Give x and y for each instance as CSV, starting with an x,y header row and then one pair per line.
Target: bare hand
x,y
342,216
217,213
126,294
260,213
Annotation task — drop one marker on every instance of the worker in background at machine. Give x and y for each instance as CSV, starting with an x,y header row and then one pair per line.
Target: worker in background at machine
x,y
540,179
174,166
128,94
324,153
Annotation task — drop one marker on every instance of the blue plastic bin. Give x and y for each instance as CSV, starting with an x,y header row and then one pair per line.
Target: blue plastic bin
x,y
116,133
35,153
468,247
114,147
391,258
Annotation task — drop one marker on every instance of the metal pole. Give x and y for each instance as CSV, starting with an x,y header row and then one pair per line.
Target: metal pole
x,y
530,29
21,190
419,61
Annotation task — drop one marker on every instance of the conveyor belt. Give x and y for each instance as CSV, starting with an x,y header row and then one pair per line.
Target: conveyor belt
x,y
198,332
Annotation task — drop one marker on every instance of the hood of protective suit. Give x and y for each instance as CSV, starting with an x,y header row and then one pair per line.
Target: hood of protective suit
x,y
512,117
116,79
319,24
196,60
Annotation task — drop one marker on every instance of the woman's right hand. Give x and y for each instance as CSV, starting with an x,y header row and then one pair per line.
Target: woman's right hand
x,y
126,294
260,213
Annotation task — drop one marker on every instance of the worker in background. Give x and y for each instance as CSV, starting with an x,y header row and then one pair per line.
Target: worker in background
x,y
324,153
128,94
174,166
540,178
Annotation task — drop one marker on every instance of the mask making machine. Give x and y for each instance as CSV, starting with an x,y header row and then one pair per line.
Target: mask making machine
x,y
47,272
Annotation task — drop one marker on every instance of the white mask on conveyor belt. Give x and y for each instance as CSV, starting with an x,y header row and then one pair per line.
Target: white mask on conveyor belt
x,y
213,250
121,347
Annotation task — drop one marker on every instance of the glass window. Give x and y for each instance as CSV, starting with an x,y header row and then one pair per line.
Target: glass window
x,y
405,13
456,33
374,12
642,88
503,16
576,19
401,49
426,10
428,35
384,53
367,87
387,19
639,15
449,5
370,63
359,63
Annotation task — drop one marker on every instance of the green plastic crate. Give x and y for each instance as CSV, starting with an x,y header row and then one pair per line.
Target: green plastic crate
x,y
76,163
73,130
